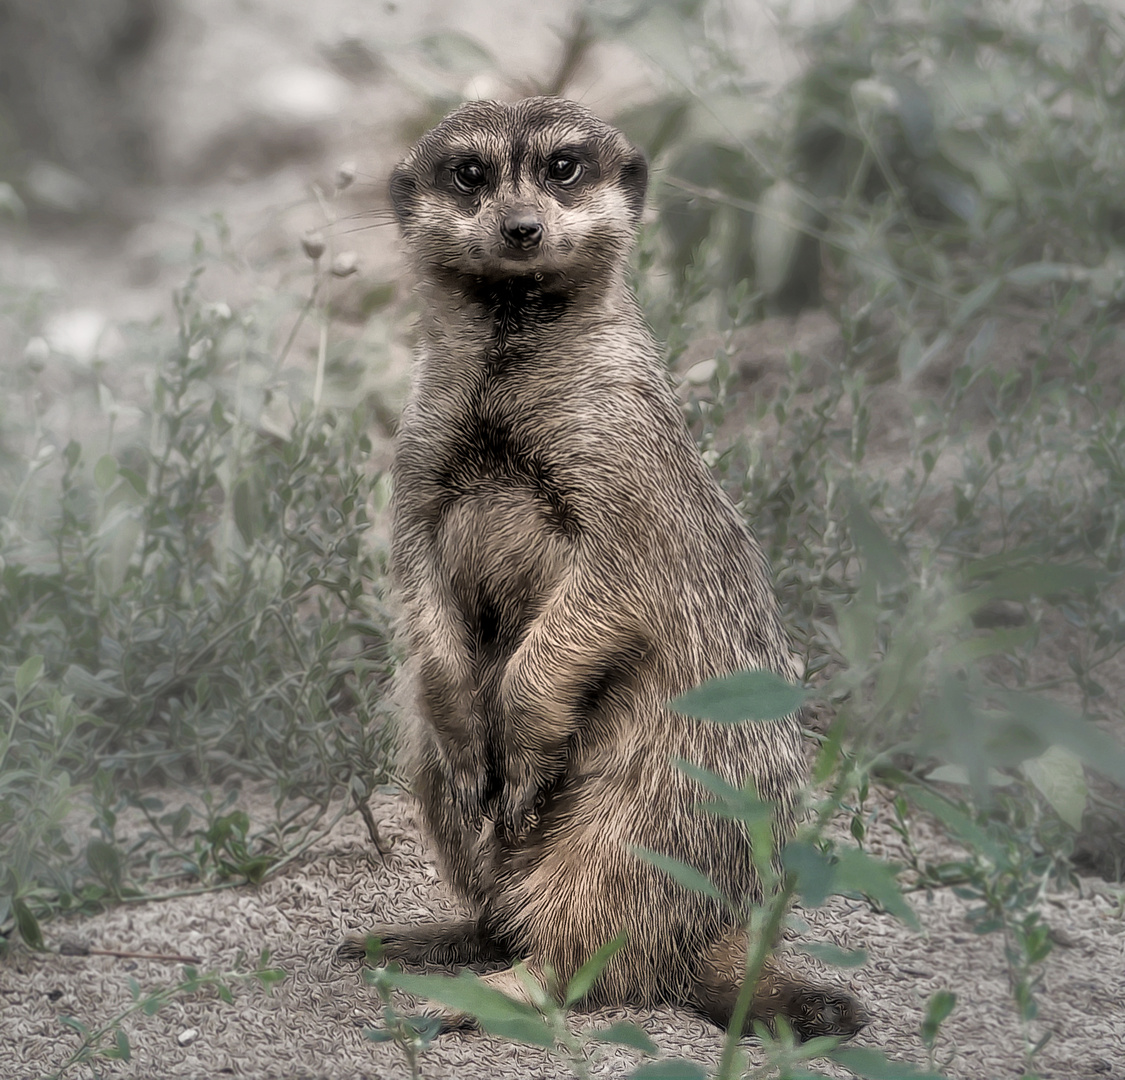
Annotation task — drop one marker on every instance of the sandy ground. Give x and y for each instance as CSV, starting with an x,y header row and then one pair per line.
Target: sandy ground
x,y
313,1024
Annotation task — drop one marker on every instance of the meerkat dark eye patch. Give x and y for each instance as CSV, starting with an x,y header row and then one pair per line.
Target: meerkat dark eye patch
x,y
634,178
569,168
404,192
564,169
468,177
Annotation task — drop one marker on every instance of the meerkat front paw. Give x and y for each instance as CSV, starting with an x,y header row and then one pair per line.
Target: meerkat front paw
x,y
522,798
466,773
520,810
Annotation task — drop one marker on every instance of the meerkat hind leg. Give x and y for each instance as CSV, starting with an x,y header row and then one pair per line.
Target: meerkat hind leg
x,y
809,1009
446,944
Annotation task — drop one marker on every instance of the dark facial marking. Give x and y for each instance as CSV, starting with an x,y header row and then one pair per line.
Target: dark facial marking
x,y
469,176
634,178
567,170
516,158
402,191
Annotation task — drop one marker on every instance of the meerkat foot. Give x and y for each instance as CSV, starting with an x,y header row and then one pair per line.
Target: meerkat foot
x,y
449,944
809,1010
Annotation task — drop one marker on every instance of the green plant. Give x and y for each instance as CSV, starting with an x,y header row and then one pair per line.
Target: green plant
x,y
541,1020
93,1047
195,617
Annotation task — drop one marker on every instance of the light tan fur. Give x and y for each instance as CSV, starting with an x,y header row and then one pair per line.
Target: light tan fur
x,y
565,565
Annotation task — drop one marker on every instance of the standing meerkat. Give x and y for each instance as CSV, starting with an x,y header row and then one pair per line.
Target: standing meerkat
x,y
565,564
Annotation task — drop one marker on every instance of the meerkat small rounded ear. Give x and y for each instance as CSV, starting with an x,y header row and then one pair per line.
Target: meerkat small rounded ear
x,y
634,178
403,190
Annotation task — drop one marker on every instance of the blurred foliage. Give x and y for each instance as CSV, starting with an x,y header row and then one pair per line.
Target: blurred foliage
x,y
194,614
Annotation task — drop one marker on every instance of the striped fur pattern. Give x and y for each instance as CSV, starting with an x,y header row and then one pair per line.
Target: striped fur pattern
x,y
565,564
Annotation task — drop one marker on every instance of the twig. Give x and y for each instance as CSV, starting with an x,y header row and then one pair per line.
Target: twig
x,y
381,845
71,947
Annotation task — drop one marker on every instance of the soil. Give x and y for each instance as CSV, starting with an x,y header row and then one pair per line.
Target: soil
x,y
313,1025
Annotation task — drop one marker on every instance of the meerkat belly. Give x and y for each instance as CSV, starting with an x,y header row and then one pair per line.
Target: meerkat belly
x,y
502,549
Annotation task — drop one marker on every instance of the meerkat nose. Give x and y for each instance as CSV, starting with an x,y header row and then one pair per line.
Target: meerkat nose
x,y
522,229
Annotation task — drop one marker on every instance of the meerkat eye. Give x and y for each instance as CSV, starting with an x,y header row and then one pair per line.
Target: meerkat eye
x,y
468,177
563,170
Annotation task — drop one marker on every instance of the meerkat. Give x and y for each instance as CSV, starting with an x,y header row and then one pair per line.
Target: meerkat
x,y
565,564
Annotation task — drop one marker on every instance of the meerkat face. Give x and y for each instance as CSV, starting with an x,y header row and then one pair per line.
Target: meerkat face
x,y
541,188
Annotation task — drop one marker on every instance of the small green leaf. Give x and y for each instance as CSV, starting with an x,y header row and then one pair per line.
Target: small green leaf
x,y
776,234
78,681
27,924
977,299
625,1034
26,674
856,623
1054,724
77,1025
124,1051
669,1069
1058,775
255,869
247,516
136,481
937,1009
856,871
104,861
733,699
732,802
957,774
1045,579
832,954
995,445
496,1012
152,1005
814,871
1040,273
587,974
879,554
997,642
872,1065
680,872
270,977
179,821
105,472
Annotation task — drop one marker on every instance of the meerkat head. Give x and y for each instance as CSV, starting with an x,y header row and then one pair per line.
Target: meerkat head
x,y
538,189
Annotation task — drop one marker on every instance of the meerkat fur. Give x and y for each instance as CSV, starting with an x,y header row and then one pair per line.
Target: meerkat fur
x,y
565,565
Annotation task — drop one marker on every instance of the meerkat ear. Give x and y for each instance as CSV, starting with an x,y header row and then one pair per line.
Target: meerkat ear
x,y
634,178
403,190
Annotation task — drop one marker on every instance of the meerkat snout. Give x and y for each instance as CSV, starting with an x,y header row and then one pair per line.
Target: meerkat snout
x,y
522,229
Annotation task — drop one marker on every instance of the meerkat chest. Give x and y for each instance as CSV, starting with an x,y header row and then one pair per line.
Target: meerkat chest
x,y
507,529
